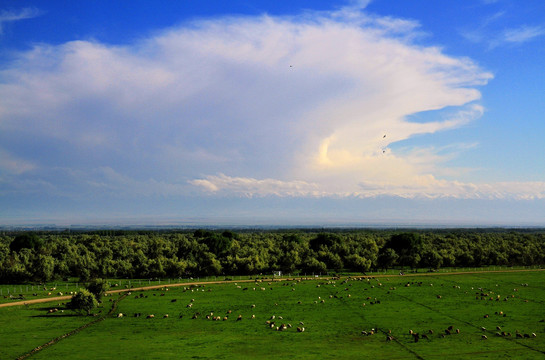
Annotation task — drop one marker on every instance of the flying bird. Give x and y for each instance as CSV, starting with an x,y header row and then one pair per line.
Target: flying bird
x,y
384,136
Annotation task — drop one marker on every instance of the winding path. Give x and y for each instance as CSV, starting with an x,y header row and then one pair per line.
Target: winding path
x,y
143,288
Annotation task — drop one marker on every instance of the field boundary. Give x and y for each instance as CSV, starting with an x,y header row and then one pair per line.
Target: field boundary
x,y
70,333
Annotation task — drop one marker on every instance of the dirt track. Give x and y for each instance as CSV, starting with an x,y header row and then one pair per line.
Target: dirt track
x,y
62,298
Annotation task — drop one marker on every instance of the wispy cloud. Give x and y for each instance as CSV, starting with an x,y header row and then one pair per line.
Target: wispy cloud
x,y
13,165
523,34
491,33
10,16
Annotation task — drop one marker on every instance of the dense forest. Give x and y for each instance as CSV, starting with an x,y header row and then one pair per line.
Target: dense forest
x,y
44,256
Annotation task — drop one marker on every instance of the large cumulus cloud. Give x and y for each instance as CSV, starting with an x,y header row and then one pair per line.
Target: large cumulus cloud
x,y
286,106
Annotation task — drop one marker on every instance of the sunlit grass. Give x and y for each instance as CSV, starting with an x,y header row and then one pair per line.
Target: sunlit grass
x,y
332,312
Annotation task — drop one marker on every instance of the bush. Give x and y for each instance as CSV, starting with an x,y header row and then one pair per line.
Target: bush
x,y
83,301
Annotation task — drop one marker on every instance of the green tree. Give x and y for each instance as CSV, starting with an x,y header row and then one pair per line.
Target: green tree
x,y
324,239
431,259
408,246
83,301
98,287
219,244
43,267
387,258
26,240
358,263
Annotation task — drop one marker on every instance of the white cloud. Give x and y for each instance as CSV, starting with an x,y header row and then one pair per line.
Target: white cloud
x,y
275,106
9,16
254,187
523,34
14,165
417,187
489,32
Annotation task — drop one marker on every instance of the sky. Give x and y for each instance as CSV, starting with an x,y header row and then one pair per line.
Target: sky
x,y
322,113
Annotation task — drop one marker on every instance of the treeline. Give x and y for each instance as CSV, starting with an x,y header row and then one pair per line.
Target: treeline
x,y
30,256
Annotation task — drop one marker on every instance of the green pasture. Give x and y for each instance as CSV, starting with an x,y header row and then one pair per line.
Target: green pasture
x,y
17,292
331,311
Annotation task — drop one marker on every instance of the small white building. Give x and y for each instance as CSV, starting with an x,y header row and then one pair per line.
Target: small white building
x,y
277,273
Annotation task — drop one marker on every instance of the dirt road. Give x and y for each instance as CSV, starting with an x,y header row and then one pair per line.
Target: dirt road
x,y
142,288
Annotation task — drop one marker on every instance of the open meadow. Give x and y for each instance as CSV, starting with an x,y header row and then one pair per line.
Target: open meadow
x,y
456,316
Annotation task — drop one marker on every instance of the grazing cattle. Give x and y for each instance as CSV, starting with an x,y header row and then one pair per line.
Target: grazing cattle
x,y
447,332
120,315
173,300
150,316
519,336
457,331
430,331
498,328
389,338
165,316
484,337
239,318
300,329
253,316
424,336
534,335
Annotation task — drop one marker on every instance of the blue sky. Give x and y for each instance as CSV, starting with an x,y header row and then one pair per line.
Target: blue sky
x,y
273,112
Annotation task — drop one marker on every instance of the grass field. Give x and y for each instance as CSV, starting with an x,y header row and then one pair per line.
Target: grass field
x,y
331,311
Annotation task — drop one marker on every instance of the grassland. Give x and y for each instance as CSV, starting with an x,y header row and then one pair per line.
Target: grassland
x,y
331,311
